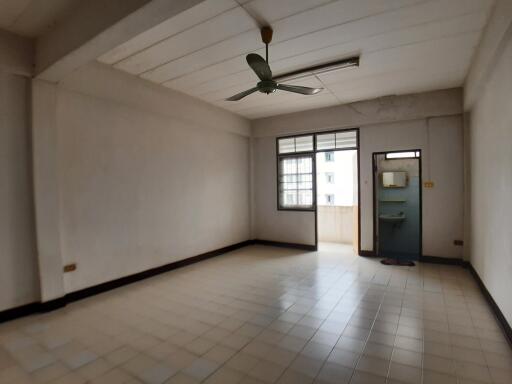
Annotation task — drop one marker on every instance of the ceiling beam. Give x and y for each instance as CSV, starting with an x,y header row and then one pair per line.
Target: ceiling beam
x,y
96,27
16,54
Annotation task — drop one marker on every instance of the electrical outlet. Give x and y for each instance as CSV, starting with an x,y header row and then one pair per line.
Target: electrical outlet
x,y
428,184
458,242
70,267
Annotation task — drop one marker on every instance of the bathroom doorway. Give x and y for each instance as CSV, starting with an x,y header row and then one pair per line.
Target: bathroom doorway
x,y
397,206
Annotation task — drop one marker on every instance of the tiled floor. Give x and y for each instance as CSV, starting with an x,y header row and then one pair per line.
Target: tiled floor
x,y
269,315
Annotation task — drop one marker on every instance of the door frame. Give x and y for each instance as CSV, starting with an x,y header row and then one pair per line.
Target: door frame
x,y
374,196
314,153
357,149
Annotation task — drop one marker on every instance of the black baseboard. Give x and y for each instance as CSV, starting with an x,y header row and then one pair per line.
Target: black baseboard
x,y
109,285
443,260
29,309
305,247
505,326
14,313
52,305
423,259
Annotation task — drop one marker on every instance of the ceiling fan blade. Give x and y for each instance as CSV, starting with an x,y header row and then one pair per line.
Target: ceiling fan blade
x,y
241,95
259,66
299,89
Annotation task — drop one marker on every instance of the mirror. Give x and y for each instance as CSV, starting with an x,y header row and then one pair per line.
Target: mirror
x,y
394,179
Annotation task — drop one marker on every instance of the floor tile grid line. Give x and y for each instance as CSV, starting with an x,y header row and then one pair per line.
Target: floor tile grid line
x,y
365,342
304,315
334,346
422,344
458,377
467,296
467,301
309,339
479,343
368,337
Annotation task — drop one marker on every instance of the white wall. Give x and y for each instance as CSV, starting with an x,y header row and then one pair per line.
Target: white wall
x,y
18,260
491,166
440,141
430,121
269,223
146,176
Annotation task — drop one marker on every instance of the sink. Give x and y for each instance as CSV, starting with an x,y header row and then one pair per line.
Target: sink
x,y
392,217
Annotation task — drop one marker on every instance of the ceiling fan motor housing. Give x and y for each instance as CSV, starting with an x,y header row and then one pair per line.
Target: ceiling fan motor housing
x,y
267,86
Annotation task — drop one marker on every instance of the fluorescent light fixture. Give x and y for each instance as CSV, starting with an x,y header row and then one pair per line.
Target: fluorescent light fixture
x,y
350,62
402,155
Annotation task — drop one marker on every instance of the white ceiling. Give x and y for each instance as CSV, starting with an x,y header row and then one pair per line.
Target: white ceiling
x,y
405,46
31,18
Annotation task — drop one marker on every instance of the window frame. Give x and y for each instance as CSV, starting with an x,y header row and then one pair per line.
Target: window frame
x,y
295,152
312,153
356,147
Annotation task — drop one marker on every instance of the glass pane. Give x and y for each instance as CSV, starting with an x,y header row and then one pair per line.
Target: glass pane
x,y
305,165
296,182
325,141
306,198
287,145
289,166
289,178
289,198
289,186
304,143
305,181
346,139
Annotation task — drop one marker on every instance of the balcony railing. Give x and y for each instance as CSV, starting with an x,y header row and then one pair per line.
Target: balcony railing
x,y
337,224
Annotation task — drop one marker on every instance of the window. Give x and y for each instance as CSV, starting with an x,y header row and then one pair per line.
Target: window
x,y
336,140
295,144
296,182
329,199
329,156
296,168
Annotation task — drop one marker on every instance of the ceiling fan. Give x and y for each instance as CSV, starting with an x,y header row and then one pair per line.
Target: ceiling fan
x,y
266,84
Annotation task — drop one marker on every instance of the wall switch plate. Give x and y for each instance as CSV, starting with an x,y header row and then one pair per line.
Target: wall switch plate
x,y
458,242
428,184
70,267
